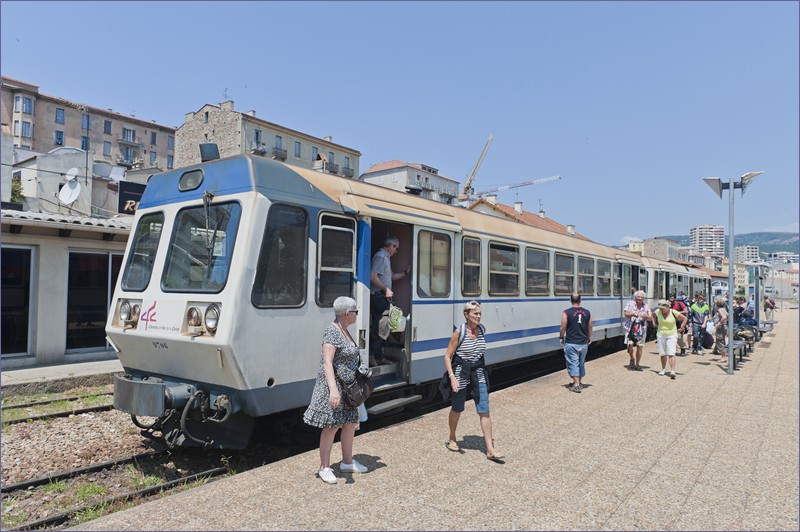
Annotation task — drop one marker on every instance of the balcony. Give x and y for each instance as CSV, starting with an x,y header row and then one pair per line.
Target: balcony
x,y
333,168
278,153
347,172
322,165
130,142
258,148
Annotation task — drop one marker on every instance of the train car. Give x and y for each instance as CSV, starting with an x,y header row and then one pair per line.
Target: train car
x,y
233,265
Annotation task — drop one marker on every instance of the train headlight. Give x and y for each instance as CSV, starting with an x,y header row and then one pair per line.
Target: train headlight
x,y
212,318
124,310
193,317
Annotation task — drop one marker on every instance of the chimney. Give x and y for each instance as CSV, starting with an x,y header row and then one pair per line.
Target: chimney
x,y
541,215
188,116
492,198
518,207
251,112
226,106
328,138
571,229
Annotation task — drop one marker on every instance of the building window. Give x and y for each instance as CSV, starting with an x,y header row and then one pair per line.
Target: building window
x,y
84,143
278,141
16,128
59,116
205,117
330,158
91,278
59,138
257,136
107,127
85,122
347,162
27,106
107,149
27,129
314,153
153,158
170,142
128,135
170,161
127,154
15,295
297,148
17,104
153,138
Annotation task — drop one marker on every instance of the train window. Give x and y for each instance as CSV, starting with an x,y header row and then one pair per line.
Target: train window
x,y
537,272
564,275
627,283
335,259
282,262
471,267
433,259
617,279
503,270
603,278
199,253
586,276
643,284
143,252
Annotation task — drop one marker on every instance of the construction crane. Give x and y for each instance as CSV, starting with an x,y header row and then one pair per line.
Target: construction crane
x,y
467,192
517,185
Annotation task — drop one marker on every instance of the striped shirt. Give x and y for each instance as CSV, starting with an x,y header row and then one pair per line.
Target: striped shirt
x,y
471,350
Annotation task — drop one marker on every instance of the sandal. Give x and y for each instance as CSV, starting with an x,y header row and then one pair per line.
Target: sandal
x,y
496,456
453,446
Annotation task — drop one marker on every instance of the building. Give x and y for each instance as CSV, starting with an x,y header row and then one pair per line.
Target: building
x,y
235,133
636,246
489,205
41,123
663,249
708,239
782,257
418,178
746,254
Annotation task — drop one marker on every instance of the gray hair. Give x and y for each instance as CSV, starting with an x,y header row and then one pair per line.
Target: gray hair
x,y
391,241
469,306
639,293
343,304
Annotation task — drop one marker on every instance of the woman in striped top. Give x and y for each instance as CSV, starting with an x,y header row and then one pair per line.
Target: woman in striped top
x,y
465,366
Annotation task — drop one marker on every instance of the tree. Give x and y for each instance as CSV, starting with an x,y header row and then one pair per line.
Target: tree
x,y
16,190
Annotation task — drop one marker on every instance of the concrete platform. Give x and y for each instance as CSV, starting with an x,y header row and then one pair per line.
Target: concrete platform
x,y
58,378
634,451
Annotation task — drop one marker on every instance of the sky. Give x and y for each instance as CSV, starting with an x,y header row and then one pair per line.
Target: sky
x,y
630,103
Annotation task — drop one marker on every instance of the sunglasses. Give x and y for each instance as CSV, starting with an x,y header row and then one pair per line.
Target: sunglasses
x,y
354,311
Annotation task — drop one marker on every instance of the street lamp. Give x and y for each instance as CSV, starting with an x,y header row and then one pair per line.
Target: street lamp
x,y
718,186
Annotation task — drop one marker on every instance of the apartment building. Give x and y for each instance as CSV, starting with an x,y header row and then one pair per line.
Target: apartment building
x,y
234,132
708,239
417,178
41,123
663,249
746,254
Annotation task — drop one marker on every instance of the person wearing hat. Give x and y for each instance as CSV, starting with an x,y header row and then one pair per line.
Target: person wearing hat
x,y
667,335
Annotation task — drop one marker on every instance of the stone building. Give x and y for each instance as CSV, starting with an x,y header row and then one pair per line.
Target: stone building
x,y
413,177
234,132
663,249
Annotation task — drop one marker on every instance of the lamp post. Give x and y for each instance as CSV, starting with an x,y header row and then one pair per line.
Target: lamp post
x,y
718,186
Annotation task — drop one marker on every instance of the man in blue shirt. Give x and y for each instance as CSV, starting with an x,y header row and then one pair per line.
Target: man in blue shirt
x,y
575,336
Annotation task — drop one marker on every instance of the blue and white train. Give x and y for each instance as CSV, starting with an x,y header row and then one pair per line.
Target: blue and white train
x,y
233,265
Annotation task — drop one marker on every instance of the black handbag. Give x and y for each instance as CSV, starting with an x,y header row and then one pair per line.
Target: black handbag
x,y
356,392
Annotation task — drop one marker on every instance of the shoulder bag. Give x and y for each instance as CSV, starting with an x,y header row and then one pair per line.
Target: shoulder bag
x,y
356,392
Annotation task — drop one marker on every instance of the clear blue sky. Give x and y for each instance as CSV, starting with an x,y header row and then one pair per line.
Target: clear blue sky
x,y
631,103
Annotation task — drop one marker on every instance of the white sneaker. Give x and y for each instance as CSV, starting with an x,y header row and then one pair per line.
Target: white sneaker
x,y
327,475
355,467
662,372
672,374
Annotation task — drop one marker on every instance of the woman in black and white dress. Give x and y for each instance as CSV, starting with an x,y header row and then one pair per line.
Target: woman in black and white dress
x,y
465,366
340,362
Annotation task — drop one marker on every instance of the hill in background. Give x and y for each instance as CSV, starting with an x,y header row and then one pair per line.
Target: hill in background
x,y
766,242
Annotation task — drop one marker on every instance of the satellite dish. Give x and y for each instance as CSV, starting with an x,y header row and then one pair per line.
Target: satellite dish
x,y
69,192
72,173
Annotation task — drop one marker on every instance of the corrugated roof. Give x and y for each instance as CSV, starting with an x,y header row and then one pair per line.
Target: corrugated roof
x,y
68,221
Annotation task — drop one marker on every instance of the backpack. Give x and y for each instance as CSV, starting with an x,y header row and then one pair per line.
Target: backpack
x,y
462,333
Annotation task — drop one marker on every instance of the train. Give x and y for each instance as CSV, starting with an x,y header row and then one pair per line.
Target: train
x,y
233,264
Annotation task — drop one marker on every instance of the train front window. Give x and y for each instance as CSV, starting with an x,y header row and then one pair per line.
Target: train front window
x,y
201,248
283,259
143,253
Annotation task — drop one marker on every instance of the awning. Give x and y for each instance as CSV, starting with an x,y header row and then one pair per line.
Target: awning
x,y
400,213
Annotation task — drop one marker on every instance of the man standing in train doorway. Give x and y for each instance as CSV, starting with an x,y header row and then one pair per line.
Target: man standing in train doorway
x,y
381,278
575,336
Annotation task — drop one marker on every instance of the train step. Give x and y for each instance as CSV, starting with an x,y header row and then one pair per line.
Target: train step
x,y
380,408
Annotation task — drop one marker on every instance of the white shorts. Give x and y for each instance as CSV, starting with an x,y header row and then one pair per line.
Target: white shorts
x,y
667,345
